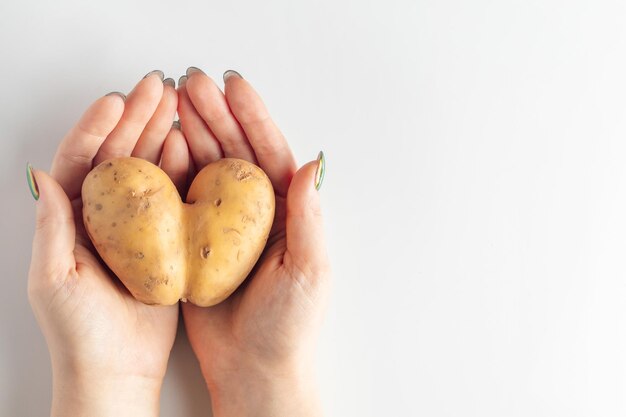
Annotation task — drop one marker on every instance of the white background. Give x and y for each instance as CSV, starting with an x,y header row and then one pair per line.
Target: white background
x,y
474,196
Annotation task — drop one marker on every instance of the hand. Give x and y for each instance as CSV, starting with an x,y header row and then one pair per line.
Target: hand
x,y
109,352
256,348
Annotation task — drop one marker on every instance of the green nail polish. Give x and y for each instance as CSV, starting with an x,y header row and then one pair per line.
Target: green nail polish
x,y
231,73
32,183
321,168
158,72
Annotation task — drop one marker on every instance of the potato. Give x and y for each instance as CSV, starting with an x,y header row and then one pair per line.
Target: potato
x,y
164,250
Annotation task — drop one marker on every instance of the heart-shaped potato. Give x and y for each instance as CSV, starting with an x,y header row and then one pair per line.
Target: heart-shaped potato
x,y
164,250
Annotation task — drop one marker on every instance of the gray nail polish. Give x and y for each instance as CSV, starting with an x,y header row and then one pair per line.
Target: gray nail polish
x,y
117,93
192,70
158,72
170,82
182,80
231,73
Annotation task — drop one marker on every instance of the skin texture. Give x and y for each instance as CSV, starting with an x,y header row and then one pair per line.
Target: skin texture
x,y
108,350
164,250
257,348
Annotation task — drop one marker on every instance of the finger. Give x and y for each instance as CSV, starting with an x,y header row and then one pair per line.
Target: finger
x,y
203,145
211,105
74,157
140,106
176,159
268,143
55,232
305,235
150,143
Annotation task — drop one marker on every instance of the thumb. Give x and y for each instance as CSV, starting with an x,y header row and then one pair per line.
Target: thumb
x,y
55,232
305,231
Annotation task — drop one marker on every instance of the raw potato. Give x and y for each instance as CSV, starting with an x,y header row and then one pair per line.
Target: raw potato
x,y
164,250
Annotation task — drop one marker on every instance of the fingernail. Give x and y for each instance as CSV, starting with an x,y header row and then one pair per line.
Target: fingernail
x,y
231,73
192,70
157,72
176,124
117,93
182,80
321,168
170,82
32,182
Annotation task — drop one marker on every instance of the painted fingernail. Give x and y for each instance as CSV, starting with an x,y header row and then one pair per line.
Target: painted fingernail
x,y
32,182
231,73
182,80
192,70
176,124
170,82
321,168
157,72
117,93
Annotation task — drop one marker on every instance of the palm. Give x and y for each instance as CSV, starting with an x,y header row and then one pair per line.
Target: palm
x,y
264,317
132,336
86,313
260,316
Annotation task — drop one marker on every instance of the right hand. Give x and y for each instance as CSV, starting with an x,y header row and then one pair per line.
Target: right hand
x,y
256,348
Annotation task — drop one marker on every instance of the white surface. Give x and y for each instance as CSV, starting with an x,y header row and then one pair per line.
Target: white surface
x,y
474,193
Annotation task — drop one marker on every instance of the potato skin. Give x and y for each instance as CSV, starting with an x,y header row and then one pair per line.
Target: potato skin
x,y
133,215
225,245
164,250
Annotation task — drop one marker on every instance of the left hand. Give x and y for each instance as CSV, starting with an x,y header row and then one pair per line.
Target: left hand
x,y
109,351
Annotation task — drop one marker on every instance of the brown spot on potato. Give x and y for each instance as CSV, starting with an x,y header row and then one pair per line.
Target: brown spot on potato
x,y
98,206
243,176
226,230
145,204
246,219
143,213
152,282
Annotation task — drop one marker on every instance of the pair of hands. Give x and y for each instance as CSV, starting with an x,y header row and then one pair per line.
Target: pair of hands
x,y
109,352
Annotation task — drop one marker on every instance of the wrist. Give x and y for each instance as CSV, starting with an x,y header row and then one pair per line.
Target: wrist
x,y
254,389
98,395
